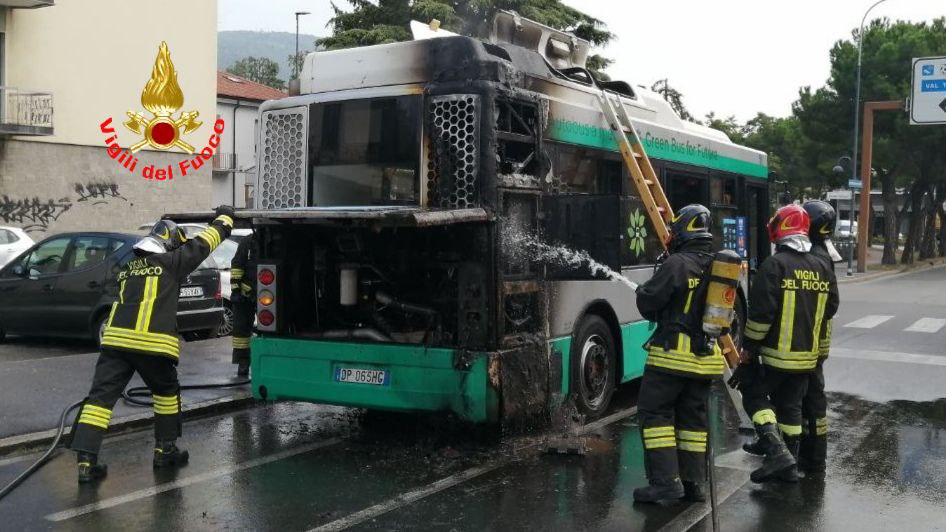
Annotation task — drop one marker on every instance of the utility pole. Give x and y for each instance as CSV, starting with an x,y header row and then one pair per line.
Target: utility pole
x,y
857,114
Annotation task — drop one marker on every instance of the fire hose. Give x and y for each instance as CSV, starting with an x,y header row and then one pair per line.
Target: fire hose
x,y
132,396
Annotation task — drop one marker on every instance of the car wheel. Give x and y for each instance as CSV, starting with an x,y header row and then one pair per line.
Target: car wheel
x,y
98,328
226,326
593,366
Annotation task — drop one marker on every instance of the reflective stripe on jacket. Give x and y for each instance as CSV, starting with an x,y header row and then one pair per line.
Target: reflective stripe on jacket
x,y
668,299
792,297
144,319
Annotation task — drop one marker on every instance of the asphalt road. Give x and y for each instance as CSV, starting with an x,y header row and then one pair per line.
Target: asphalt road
x,y
306,467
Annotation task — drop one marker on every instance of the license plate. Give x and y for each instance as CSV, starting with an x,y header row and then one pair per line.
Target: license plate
x,y
378,377
192,291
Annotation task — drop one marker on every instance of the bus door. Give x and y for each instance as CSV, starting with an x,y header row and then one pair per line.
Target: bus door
x,y
757,216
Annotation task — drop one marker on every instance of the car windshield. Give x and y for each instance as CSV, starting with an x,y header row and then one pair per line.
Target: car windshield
x,y
365,152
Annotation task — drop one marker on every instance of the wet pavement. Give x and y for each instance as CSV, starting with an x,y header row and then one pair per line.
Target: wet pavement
x,y
40,377
294,466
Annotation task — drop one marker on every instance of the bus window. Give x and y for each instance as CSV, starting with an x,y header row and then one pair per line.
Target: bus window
x,y
685,189
723,190
575,168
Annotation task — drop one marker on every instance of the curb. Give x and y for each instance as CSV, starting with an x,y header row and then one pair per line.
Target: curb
x,y
223,404
890,274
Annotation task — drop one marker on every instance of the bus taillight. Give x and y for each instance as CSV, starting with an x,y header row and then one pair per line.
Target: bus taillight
x,y
267,297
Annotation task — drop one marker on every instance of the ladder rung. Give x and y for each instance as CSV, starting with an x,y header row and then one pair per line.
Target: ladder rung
x,y
661,210
638,155
648,182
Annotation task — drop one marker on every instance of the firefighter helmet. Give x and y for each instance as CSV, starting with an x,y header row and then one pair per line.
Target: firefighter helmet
x,y
788,221
164,236
823,219
690,223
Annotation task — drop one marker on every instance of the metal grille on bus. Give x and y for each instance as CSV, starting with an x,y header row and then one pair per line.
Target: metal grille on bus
x,y
282,174
453,151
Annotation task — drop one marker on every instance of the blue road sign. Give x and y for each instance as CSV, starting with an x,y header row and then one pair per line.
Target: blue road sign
x,y
855,183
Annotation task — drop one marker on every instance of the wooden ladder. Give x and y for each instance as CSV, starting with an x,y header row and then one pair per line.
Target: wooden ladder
x,y
648,186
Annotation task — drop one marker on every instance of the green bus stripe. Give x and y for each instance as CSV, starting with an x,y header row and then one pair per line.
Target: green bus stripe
x,y
595,137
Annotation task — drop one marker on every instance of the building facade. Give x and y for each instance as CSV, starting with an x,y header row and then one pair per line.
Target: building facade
x,y
234,169
71,71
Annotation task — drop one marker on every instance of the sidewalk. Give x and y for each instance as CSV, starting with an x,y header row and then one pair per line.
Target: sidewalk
x,y
876,270
34,392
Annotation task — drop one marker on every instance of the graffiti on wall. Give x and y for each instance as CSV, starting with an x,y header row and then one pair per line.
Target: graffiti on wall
x,y
98,193
32,214
36,215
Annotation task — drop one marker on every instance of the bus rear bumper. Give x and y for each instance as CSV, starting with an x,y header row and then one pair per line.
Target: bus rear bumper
x,y
416,378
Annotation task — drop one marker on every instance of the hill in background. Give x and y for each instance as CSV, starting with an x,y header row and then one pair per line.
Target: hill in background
x,y
276,45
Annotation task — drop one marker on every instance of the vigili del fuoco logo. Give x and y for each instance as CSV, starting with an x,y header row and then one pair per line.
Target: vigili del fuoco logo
x,y
162,98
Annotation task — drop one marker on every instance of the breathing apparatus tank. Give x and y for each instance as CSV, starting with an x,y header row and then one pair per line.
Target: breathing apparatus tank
x,y
721,292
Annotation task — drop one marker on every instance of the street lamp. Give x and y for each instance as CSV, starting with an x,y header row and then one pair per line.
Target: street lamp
x,y
857,124
295,58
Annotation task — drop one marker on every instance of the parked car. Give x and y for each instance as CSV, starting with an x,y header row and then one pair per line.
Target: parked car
x,y
13,241
66,284
843,230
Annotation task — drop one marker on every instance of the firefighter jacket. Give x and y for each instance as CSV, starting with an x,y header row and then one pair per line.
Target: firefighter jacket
x,y
243,270
671,298
824,342
144,319
792,299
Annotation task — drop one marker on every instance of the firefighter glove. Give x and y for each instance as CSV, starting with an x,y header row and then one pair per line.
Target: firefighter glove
x,y
744,373
224,210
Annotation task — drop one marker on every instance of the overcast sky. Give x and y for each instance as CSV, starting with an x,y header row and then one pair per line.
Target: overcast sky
x,y
734,57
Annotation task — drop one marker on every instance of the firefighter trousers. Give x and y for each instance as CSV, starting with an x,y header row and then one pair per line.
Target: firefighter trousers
x,y
672,413
113,371
776,398
244,310
814,409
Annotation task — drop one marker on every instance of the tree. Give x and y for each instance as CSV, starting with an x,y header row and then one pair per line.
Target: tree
x,y
673,97
258,69
904,155
296,62
386,21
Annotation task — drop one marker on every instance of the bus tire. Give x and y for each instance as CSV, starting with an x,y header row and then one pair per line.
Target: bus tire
x,y
593,366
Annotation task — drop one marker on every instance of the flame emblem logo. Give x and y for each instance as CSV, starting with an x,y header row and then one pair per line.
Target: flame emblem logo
x,y
162,97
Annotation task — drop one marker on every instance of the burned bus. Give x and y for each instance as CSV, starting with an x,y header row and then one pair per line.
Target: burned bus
x,y
398,204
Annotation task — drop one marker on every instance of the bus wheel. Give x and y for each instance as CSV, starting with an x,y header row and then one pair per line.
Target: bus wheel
x,y
593,366
738,326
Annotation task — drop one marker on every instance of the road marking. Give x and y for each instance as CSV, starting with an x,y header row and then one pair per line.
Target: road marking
x,y
888,356
187,481
868,322
926,325
689,518
423,492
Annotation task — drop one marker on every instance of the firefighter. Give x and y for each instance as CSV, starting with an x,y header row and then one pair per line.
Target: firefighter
x,y
243,302
681,364
141,336
813,448
793,295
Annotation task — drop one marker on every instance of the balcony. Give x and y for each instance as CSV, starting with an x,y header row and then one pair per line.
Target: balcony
x,y
24,112
29,4
225,162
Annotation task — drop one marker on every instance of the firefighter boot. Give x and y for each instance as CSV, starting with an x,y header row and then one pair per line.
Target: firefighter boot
x,y
694,491
89,468
660,491
792,443
167,454
777,457
754,447
813,454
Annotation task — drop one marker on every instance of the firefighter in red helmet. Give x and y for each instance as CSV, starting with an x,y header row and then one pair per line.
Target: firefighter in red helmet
x,y
792,296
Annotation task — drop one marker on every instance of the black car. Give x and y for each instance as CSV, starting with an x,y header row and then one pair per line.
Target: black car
x,y
66,284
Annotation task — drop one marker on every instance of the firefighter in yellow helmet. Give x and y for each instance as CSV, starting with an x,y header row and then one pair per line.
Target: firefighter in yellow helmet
x,y
793,295
682,362
141,337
